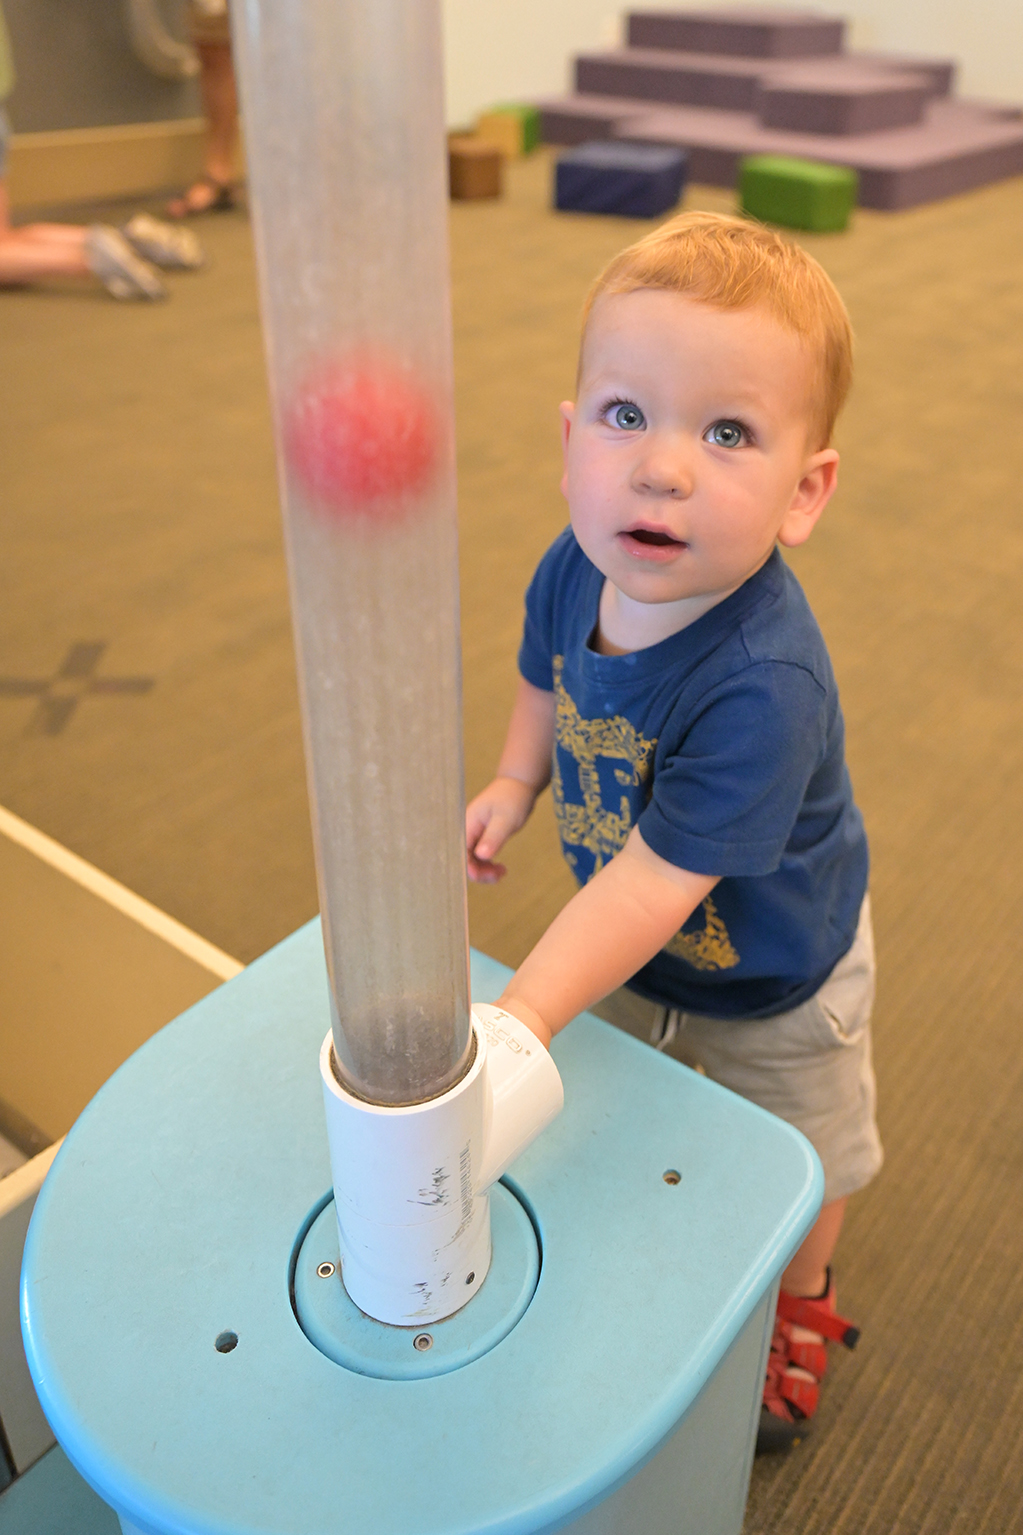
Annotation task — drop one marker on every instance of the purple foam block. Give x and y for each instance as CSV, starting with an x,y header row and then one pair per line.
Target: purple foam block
x,y
582,119
865,92
865,101
683,79
753,33
630,180
940,72
1000,111
956,147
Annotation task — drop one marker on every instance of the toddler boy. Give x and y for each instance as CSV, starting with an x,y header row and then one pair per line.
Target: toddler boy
x,y
676,692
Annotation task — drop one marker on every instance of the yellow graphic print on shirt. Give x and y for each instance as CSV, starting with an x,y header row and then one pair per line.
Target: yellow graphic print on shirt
x,y
602,831
709,949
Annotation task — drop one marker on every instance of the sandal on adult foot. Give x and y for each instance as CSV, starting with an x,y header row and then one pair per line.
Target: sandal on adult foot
x,y
163,244
119,267
796,1364
207,195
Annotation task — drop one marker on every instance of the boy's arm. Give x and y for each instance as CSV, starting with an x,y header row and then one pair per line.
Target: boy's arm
x,y
607,932
522,773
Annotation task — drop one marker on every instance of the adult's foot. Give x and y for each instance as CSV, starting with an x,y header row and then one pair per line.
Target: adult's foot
x,y
207,195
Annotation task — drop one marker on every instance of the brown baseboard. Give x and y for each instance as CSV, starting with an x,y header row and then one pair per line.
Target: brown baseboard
x,y
83,164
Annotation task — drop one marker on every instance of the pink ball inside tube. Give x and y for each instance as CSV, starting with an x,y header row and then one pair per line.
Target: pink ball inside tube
x,y
362,436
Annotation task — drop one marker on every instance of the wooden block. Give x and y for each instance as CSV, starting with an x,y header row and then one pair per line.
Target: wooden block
x,y
514,128
501,131
474,168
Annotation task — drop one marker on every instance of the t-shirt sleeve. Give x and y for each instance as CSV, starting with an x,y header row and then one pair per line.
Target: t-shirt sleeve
x,y
726,800
536,653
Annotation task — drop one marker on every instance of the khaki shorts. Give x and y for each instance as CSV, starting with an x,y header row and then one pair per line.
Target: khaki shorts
x,y
208,22
811,1066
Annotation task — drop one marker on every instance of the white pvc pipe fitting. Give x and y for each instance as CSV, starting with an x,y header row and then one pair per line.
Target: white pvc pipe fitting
x,y
411,1183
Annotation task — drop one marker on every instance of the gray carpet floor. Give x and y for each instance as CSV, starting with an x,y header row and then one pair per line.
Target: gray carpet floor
x,y
141,548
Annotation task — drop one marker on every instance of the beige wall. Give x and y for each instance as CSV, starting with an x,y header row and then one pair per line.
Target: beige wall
x,y
986,38
498,50
75,67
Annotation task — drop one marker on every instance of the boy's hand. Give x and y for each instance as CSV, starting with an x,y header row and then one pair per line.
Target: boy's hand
x,y
490,819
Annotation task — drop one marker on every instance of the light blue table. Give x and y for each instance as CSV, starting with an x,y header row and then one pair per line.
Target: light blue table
x,y
625,1398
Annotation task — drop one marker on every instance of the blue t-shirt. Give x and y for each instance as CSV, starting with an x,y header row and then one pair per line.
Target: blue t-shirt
x,y
725,744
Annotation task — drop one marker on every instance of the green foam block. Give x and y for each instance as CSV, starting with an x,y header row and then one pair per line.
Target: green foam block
x,y
801,194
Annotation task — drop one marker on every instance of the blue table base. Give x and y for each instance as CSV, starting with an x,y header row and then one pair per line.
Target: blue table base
x,y
624,1397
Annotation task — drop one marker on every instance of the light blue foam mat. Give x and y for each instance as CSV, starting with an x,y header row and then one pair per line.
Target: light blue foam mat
x,y
52,1499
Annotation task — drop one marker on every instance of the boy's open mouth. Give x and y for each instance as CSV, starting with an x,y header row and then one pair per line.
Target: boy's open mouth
x,y
650,542
648,536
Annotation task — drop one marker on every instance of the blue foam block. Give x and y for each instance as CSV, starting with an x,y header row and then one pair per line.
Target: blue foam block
x,y
631,180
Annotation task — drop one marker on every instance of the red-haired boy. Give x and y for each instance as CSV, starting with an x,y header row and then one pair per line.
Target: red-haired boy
x,y
676,692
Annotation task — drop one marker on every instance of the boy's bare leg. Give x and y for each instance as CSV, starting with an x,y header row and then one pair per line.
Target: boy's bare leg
x,y
220,105
807,1274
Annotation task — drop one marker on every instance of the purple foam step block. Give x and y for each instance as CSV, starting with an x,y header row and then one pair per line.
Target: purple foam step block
x,y
999,111
940,72
751,33
735,85
581,119
682,79
628,180
955,148
864,101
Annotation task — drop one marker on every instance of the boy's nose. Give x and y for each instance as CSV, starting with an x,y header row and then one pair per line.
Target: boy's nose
x,y
664,470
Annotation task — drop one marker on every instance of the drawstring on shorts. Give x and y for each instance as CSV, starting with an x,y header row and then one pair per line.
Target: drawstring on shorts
x,y
665,1029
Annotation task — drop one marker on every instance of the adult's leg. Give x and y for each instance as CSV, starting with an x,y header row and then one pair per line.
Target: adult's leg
x,y
220,102
220,105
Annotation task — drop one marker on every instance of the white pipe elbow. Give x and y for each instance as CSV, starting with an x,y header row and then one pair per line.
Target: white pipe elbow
x,y
411,1183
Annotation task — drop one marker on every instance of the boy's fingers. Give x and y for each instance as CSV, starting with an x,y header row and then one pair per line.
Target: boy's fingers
x,y
491,843
478,818
489,822
475,824
498,828
485,873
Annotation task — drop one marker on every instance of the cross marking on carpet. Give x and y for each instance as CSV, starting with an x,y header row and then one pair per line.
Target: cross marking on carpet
x,y
75,678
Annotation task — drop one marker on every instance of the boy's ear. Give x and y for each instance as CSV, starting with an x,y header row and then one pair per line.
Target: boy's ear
x,y
815,489
567,409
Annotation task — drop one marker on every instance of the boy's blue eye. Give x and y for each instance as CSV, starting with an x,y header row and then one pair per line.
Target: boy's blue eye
x,y
629,417
726,434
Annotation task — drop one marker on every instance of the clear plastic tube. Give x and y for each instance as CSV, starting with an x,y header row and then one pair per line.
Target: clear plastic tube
x,y
344,129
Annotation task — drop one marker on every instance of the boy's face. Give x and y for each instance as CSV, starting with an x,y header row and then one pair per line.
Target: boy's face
x,y
687,453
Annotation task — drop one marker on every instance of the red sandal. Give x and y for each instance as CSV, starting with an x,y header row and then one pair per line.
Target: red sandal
x,y
796,1364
